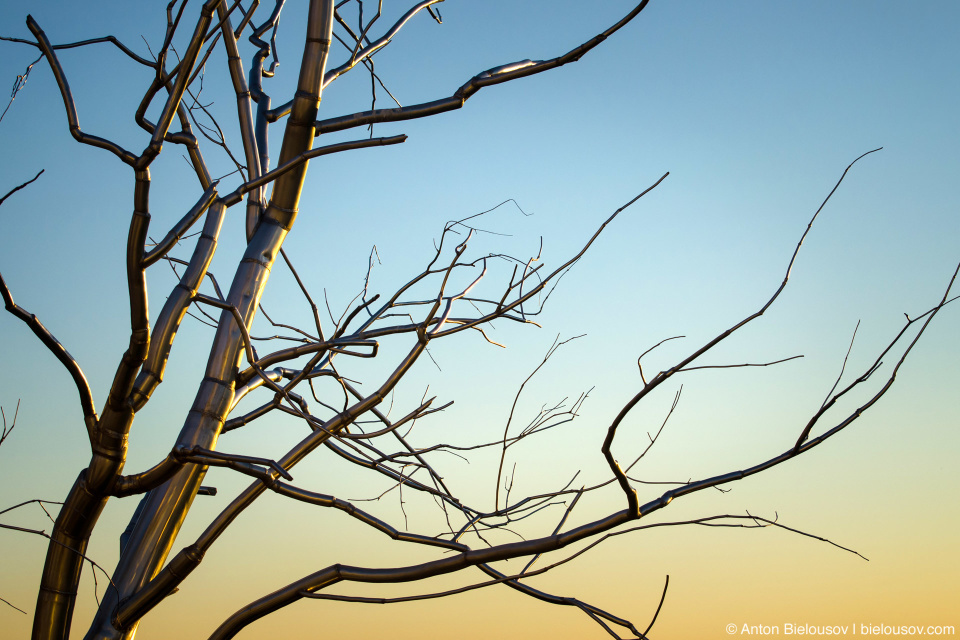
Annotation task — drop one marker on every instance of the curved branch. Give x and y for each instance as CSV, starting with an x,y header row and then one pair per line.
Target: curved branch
x,y
67,95
72,45
172,104
496,75
338,573
180,567
358,56
235,196
60,352
661,377
173,236
15,189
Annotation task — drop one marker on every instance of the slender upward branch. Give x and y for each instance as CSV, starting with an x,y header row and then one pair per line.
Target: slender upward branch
x,y
17,188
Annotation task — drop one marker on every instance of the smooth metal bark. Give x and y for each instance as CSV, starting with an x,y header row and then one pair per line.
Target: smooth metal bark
x,y
90,492
87,498
166,507
412,316
244,116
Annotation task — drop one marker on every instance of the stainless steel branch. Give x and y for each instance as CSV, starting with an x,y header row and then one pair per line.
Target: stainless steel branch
x,y
244,115
179,568
68,103
175,308
496,75
60,353
173,236
359,56
180,86
167,506
90,492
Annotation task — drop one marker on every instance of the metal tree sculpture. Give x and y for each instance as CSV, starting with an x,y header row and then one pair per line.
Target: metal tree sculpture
x,y
460,299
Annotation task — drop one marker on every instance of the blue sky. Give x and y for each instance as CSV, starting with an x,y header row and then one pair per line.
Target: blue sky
x,y
754,107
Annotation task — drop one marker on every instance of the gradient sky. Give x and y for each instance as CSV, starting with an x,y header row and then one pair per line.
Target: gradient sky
x,y
755,108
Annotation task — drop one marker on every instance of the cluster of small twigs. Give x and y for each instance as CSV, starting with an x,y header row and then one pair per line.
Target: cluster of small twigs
x,y
303,378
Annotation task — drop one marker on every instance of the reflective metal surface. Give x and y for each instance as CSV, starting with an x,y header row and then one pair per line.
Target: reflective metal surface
x,y
349,422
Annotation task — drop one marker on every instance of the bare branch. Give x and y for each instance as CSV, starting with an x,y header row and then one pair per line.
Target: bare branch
x,y
233,198
663,376
844,366
72,120
355,412
496,75
15,189
173,236
737,366
13,606
506,430
7,430
90,418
